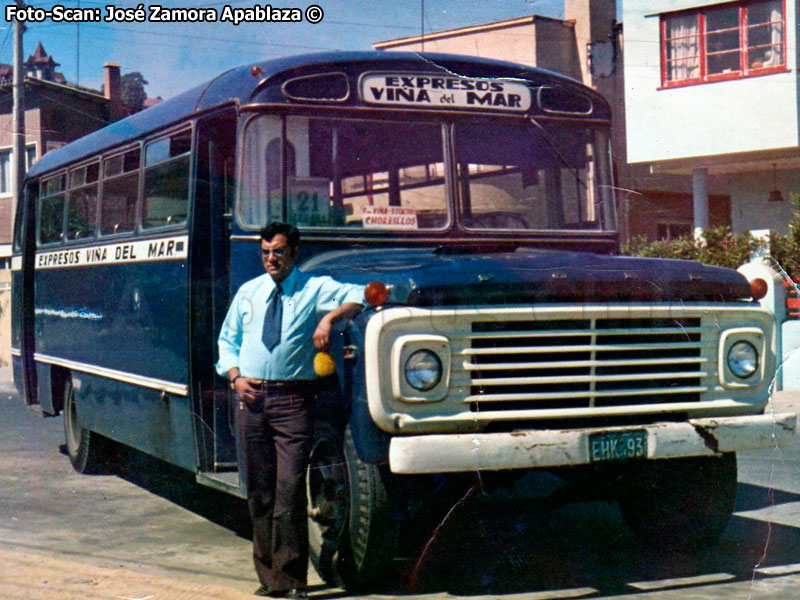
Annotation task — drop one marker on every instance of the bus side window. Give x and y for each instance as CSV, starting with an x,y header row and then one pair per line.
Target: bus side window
x,y
166,180
120,192
51,210
82,201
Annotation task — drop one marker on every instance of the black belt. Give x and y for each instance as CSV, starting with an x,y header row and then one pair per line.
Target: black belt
x,y
288,386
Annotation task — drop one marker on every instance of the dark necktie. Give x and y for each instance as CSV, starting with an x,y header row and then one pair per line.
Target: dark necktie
x,y
271,334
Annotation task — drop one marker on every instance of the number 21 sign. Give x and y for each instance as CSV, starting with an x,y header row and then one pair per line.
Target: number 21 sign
x,y
309,201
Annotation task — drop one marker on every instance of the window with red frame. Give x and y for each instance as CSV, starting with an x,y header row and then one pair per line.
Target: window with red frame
x,y
726,41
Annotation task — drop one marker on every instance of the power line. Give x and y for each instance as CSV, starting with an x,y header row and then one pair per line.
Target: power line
x,y
78,49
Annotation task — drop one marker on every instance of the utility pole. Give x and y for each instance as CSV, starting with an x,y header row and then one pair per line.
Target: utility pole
x,y
422,23
78,46
18,152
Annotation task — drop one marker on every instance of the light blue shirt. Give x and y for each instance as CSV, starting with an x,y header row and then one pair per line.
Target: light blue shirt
x,y
306,300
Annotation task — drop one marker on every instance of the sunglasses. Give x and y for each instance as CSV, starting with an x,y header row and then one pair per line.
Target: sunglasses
x,y
279,252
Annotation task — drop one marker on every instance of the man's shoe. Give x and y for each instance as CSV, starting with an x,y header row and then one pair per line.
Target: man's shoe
x,y
292,594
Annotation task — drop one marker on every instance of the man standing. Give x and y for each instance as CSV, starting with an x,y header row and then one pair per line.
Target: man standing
x,y
266,352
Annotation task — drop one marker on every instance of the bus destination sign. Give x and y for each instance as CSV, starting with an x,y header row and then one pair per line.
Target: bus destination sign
x,y
444,91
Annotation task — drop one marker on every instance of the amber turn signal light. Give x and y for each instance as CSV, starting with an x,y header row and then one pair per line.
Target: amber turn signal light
x,y
376,293
758,288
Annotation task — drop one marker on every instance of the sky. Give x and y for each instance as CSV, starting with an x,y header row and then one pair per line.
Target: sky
x,y
174,57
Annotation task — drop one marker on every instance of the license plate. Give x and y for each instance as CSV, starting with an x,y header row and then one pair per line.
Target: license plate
x,y
617,445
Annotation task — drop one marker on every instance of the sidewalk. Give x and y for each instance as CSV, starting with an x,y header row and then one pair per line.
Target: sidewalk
x,y
38,577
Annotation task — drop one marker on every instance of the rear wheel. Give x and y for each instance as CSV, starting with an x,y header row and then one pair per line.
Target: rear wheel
x,y
87,451
680,504
353,533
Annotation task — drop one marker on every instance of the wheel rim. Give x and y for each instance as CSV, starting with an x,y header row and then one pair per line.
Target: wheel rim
x,y
328,494
71,427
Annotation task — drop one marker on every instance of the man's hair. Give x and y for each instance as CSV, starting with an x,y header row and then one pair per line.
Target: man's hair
x,y
270,230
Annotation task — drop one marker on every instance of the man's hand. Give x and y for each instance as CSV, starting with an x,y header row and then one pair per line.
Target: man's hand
x,y
247,388
322,335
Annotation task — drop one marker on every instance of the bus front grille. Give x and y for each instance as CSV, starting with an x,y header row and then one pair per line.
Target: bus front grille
x,y
587,363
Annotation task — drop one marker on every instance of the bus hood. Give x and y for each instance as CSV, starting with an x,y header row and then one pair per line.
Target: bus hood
x,y
428,277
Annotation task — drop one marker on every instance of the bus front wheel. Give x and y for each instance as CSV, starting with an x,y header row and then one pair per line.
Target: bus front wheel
x,y
353,531
87,451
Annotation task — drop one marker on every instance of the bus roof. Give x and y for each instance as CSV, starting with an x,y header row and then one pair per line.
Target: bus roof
x,y
261,83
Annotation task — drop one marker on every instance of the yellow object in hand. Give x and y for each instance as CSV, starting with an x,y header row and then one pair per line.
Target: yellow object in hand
x,y
324,364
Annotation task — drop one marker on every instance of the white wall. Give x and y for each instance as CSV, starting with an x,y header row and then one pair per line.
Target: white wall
x,y
750,206
756,113
515,43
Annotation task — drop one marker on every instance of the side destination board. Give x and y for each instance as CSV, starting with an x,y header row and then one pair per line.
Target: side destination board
x,y
134,251
444,91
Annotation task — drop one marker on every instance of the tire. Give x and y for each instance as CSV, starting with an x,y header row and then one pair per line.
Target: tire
x,y
680,505
352,532
88,452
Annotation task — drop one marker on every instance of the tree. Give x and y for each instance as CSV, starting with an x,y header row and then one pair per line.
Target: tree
x,y
133,94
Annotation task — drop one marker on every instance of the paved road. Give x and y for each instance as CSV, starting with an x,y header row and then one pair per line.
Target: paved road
x,y
152,521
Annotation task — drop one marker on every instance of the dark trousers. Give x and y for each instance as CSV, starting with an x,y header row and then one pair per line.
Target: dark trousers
x,y
276,437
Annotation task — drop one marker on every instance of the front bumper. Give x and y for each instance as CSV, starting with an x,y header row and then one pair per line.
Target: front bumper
x,y
453,453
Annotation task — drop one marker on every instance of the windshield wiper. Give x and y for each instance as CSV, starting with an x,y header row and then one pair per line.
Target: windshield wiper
x,y
552,145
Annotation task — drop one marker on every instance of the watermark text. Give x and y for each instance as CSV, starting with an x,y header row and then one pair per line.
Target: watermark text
x,y
155,13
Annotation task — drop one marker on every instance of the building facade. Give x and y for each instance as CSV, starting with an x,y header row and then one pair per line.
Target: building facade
x,y
56,113
712,98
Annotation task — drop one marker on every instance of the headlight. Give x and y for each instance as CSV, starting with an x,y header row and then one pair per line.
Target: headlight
x,y
743,359
423,370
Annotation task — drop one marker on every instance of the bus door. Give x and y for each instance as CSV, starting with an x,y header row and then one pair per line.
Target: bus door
x,y
26,301
211,231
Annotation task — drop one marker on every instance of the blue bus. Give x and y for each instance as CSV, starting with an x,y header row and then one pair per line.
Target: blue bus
x,y
504,334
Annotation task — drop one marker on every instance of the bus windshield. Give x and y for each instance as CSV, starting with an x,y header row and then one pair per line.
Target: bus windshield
x,y
538,177
390,175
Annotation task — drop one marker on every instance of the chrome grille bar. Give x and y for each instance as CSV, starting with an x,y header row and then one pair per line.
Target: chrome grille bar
x,y
582,348
576,333
466,366
587,378
557,395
